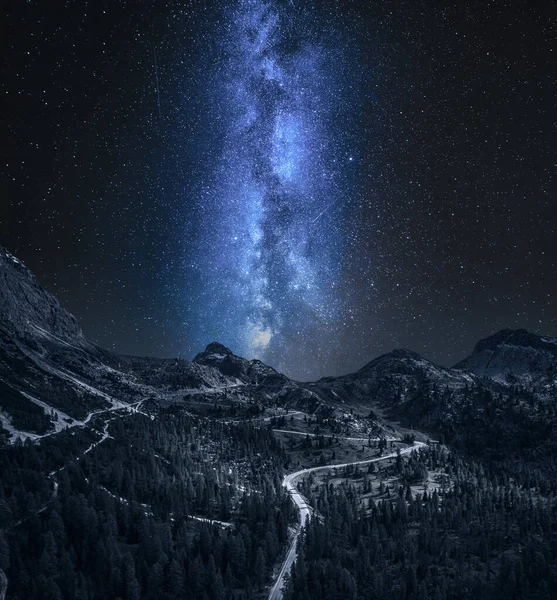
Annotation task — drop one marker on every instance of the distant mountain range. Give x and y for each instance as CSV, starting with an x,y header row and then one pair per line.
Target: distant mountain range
x,y
51,377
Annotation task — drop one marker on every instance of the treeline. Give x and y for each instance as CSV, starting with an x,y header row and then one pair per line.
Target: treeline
x,y
477,539
25,485
180,465
23,413
512,427
122,522
478,419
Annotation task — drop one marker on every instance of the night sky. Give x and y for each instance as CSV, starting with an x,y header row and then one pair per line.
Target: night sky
x,y
309,183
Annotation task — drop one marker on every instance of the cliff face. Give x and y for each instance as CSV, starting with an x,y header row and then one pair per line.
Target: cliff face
x,y
514,356
27,310
247,371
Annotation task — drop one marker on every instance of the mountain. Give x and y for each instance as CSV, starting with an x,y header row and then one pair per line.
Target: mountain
x,y
510,414
52,377
28,311
514,356
393,378
246,371
170,462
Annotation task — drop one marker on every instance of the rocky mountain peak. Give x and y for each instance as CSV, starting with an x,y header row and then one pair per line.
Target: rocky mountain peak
x,y
397,355
517,337
217,348
514,355
243,370
405,354
27,310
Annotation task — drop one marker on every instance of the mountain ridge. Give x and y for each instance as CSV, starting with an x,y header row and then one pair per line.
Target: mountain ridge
x,y
45,361
25,304
514,356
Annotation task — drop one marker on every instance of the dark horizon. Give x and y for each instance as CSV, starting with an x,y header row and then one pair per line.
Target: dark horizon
x,y
334,374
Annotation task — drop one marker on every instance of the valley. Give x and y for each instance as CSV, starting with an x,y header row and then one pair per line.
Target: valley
x,y
221,478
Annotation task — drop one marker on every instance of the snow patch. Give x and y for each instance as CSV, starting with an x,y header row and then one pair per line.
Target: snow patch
x,y
63,420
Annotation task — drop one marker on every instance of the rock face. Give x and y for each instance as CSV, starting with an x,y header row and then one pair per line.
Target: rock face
x,y
245,371
26,308
514,356
393,378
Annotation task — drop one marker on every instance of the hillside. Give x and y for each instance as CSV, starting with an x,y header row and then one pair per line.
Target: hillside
x,y
52,378
173,468
501,398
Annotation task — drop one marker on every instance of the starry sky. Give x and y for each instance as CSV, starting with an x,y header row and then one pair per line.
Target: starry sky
x,y
310,183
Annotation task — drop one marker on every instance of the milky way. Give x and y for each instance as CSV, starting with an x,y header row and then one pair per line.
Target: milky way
x,y
272,218
314,182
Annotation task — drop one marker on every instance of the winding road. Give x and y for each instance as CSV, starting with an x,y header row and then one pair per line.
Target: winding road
x,y
130,409
304,511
